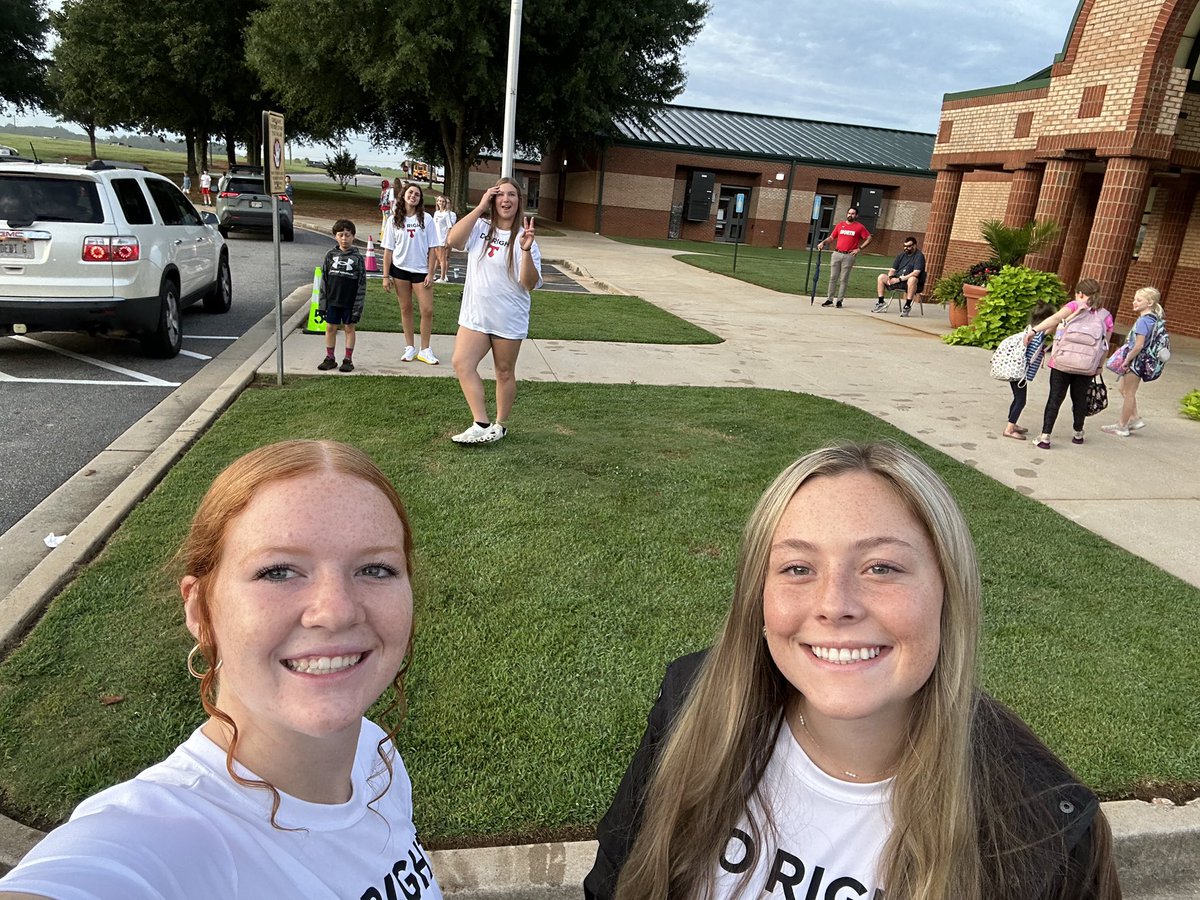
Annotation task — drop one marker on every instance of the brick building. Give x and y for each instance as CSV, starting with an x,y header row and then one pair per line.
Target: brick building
x,y
1105,142
703,174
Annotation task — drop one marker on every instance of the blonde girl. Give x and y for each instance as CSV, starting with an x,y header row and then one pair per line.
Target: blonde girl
x,y
443,220
503,265
1147,305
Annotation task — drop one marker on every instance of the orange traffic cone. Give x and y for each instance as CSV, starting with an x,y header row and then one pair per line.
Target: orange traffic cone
x,y
372,265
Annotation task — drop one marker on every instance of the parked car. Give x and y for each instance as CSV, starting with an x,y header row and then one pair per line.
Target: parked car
x,y
8,151
243,204
364,170
105,248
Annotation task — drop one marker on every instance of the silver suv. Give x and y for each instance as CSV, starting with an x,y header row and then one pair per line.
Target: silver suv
x,y
108,247
243,203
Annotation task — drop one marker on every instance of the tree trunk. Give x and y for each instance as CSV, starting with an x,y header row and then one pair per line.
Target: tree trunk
x,y
90,128
189,141
202,138
230,149
457,166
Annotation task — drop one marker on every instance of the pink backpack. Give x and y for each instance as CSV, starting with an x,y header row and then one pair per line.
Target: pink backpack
x,y
1080,346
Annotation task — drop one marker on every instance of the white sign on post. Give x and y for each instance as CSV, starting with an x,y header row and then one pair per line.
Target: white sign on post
x,y
272,128
273,150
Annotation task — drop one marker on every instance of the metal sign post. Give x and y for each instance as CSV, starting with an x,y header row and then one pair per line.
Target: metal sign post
x,y
276,183
508,149
812,243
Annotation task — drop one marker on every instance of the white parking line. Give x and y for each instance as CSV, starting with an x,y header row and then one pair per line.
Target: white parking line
x,y
143,379
193,354
210,337
155,383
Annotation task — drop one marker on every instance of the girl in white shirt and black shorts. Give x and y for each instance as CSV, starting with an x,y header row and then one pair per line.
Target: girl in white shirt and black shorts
x,y
408,255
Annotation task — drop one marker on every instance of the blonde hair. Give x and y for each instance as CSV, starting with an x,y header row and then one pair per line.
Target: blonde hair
x,y
512,234
203,548
1152,294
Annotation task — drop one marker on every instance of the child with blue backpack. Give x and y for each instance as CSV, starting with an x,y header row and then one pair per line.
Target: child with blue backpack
x,y
1035,351
1137,361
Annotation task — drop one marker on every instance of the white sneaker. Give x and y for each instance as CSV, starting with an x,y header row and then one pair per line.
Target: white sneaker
x,y
426,356
495,432
410,353
1136,425
476,434
1115,429
880,306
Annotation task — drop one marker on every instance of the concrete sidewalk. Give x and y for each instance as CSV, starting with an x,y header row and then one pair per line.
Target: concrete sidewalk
x,y
894,368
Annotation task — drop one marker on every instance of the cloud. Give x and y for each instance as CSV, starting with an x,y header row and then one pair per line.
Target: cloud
x,y
869,62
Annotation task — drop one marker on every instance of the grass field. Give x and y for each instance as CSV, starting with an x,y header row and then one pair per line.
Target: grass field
x,y
554,315
789,271
557,573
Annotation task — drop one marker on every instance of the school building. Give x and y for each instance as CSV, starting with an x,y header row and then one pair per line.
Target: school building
x,y
1105,142
705,174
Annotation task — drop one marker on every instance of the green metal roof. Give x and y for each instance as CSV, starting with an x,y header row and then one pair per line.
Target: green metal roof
x,y
775,137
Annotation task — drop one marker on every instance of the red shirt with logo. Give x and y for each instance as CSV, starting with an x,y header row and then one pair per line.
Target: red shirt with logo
x,y
850,236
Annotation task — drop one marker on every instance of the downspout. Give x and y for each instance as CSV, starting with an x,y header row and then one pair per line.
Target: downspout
x,y
600,188
787,202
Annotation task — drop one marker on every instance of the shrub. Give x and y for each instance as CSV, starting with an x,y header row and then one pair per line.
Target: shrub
x,y
1009,245
341,168
981,273
1190,405
1012,293
949,289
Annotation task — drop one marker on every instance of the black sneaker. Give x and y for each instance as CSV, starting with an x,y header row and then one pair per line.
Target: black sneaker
x,y
327,363
827,303
838,305
346,366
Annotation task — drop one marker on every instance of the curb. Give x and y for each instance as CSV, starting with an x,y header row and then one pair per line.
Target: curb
x,y
218,387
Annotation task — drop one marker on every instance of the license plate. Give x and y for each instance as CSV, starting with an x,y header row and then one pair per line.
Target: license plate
x,y
256,204
16,249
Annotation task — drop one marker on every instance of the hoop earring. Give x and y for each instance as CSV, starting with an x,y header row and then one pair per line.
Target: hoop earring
x,y
191,663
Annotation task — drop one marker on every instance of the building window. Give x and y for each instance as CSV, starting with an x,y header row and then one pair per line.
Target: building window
x,y
1024,125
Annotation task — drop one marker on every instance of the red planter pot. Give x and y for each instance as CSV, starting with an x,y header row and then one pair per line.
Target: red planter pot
x,y
958,315
974,294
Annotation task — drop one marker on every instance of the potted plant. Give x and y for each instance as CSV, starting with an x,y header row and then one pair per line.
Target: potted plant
x,y
1012,293
1009,245
949,290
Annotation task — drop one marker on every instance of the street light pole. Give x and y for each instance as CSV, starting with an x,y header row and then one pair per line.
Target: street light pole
x,y
510,99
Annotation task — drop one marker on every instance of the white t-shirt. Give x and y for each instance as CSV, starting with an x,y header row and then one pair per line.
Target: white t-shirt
x,y
410,244
184,829
443,221
205,180
493,300
830,834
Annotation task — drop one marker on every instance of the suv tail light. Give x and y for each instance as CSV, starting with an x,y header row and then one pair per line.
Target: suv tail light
x,y
285,198
228,194
111,249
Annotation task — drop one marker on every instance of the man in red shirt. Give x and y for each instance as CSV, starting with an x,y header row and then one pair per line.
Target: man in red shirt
x,y
850,237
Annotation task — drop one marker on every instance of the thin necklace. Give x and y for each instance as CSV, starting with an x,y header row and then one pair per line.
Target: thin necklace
x,y
882,775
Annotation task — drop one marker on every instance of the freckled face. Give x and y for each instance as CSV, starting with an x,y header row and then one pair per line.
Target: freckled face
x,y
852,600
311,607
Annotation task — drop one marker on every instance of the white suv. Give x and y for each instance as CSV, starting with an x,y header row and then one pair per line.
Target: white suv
x,y
108,247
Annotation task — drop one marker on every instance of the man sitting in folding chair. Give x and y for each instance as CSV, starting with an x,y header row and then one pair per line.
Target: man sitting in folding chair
x,y
907,274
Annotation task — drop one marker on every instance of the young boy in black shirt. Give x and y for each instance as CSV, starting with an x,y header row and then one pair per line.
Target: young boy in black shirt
x,y
343,294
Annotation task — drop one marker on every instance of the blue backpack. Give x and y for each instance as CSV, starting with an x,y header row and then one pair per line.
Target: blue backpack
x,y
1149,364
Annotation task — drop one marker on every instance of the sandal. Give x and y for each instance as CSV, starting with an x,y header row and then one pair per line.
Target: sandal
x,y
1019,430
1015,435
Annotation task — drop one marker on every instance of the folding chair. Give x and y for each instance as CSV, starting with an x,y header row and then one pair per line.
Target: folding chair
x,y
897,293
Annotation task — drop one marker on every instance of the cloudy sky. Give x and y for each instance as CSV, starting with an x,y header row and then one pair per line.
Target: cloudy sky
x,y
868,62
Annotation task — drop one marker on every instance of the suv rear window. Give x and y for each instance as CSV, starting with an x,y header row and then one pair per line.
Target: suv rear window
x,y
245,186
133,201
38,198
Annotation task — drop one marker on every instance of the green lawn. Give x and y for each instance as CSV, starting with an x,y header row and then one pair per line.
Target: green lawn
x,y
555,315
557,573
789,271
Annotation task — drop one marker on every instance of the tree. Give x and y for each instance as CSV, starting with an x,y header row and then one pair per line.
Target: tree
x,y
433,76
23,36
341,168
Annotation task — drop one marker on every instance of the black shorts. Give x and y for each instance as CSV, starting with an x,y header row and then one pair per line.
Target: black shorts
x,y
340,315
405,275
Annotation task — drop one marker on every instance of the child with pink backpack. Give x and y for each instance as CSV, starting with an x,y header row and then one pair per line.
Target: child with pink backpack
x,y
1083,328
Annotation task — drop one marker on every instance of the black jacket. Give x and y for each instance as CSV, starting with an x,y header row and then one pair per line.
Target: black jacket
x,y
1073,806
